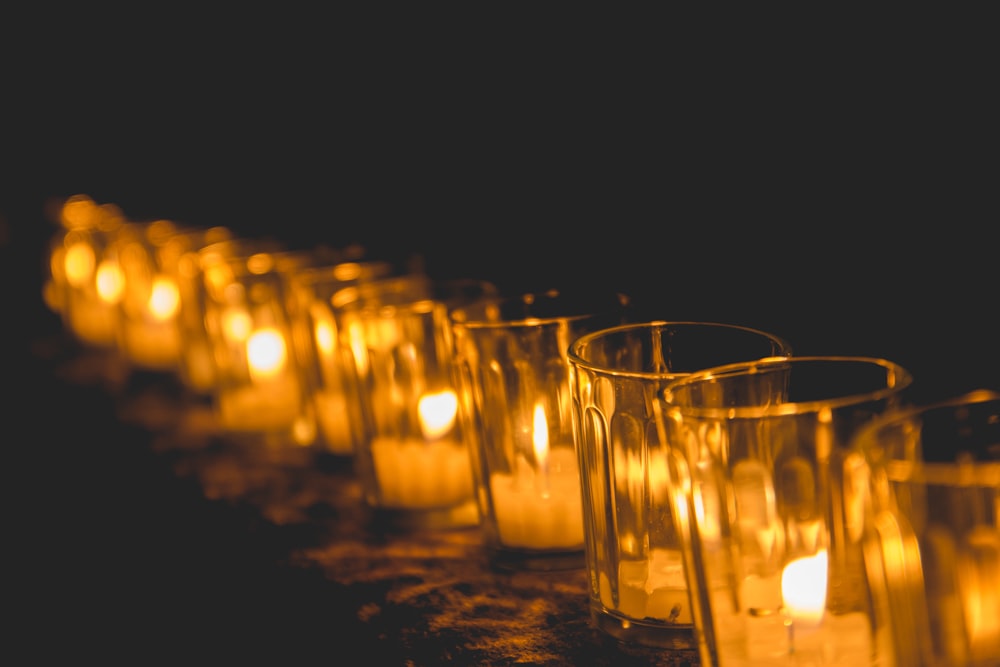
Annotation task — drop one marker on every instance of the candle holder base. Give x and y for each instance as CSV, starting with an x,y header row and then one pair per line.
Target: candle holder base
x,y
535,560
658,634
458,517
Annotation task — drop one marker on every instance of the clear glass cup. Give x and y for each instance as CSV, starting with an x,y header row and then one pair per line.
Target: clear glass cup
x,y
259,390
201,277
638,591
325,360
412,453
86,280
153,303
515,382
772,498
934,531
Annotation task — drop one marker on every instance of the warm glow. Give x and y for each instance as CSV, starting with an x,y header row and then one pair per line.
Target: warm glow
x,y
266,354
79,264
978,570
437,413
110,281
323,333
165,298
236,324
79,211
540,436
803,588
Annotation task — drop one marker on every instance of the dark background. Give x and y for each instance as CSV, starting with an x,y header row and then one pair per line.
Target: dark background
x,y
852,210
849,225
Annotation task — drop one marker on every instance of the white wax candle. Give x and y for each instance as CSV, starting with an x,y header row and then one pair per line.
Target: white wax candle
x,y
540,513
93,323
417,474
762,632
270,405
653,588
334,423
153,345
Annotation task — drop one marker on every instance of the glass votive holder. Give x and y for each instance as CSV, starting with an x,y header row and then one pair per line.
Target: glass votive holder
x,y
634,541
412,454
260,395
202,275
772,500
517,409
328,362
150,332
86,281
178,260
934,529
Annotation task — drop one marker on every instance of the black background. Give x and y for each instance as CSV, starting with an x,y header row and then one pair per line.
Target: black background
x,y
851,216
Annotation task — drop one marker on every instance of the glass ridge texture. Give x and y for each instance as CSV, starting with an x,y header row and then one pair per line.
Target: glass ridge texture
x,y
259,390
638,588
516,402
934,532
773,499
325,363
411,452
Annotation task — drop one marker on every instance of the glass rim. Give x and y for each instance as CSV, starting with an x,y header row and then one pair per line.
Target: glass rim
x,y
613,302
898,379
957,472
576,358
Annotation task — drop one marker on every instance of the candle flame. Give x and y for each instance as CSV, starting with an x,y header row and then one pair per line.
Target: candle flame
x,y
266,354
540,435
323,334
80,263
236,324
803,588
437,413
110,281
164,299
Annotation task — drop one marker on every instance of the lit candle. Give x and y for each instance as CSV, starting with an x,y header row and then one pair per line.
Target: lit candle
x,y
96,288
425,473
784,620
803,590
154,339
272,400
540,506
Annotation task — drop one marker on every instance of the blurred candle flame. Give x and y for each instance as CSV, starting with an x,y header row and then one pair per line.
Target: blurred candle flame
x,y
79,264
323,333
266,354
540,436
437,413
803,588
164,298
110,281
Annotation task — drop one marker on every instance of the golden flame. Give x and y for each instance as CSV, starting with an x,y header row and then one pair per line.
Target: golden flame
x,y
80,263
110,281
266,354
236,324
803,588
437,413
164,299
540,435
323,333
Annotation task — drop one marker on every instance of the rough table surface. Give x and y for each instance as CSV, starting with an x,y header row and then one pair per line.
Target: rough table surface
x,y
186,545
